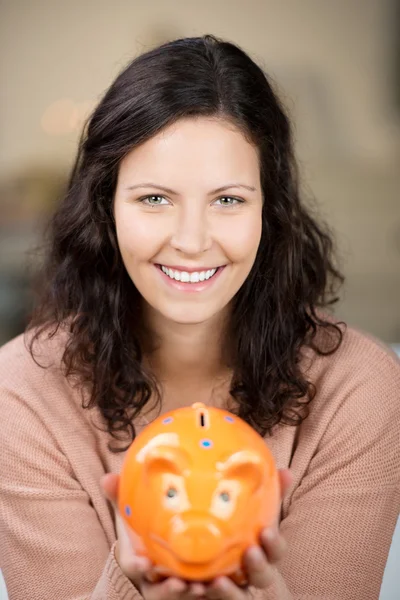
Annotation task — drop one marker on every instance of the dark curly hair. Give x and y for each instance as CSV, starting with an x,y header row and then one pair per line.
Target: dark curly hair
x,y
84,286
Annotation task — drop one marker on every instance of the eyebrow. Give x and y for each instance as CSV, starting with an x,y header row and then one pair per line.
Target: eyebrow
x,y
172,192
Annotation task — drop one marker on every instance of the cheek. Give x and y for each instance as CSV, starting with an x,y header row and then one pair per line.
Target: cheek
x,y
242,238
136,237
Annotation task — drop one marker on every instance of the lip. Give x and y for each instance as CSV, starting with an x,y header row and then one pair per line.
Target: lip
x,y
190,287
189,269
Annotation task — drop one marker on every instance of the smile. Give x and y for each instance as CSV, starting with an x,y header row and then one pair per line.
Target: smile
x,y
186,277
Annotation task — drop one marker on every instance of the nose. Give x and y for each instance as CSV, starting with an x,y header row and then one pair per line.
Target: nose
x,y
191,233
197,542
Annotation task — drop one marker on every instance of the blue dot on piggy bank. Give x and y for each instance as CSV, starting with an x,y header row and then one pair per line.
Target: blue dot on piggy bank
x,y
167,420
229,419
128,511
206,443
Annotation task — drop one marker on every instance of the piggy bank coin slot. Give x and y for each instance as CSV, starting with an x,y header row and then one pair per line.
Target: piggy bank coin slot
x,y
203,419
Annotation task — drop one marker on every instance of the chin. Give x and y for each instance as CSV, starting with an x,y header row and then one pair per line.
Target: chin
x,y
190,316
189,319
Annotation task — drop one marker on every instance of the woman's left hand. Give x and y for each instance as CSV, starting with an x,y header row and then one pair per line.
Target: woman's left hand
x,y
258,560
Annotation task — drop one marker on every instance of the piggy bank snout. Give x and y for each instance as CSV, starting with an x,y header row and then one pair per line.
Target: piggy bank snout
x,y
196,541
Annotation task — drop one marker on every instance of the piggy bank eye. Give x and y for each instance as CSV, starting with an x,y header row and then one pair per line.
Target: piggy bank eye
x,y
173,498
174,495
225,498
171,492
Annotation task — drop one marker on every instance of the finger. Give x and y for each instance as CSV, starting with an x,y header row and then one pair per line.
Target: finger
x,y
167,589
153,576
260,572
223,588
136,569
134,566
196,590
286,480
189,591
109,484
273,543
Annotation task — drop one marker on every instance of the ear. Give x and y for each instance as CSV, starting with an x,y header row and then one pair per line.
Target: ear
x,y
165,459
246,466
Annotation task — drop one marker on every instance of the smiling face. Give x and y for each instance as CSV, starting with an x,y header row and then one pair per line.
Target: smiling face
x,y
187,210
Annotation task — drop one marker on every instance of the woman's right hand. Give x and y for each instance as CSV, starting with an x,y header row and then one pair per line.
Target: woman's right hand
x,y
139,568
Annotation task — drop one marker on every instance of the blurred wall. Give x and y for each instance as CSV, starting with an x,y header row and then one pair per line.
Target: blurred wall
x,y
333,61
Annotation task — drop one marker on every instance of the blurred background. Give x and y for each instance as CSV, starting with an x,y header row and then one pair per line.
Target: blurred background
x,y
336,64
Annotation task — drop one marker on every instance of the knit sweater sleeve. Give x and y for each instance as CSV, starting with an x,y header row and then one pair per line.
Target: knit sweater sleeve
x,y
47,520
343,512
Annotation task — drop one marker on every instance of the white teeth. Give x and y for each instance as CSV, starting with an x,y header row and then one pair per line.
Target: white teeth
x,y
186,277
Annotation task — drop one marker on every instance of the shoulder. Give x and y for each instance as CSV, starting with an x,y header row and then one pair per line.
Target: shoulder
x,y
350,441
361,365
356,409
17,362
35,388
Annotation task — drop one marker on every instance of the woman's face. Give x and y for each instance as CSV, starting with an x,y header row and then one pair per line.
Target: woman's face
x,y
188,217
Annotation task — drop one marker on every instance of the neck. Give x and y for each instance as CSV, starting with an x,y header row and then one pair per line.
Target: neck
x,y
187,353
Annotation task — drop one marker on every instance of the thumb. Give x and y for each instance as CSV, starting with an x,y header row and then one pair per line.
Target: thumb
x,y
286,480
132,565
110,483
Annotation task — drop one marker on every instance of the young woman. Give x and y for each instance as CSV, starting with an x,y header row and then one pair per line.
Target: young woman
x,y
182,266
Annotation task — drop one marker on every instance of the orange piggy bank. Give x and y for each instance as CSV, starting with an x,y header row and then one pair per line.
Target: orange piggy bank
x,y
196,488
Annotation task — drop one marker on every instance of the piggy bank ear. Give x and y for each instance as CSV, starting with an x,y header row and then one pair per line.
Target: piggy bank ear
x,y
246,466
165,459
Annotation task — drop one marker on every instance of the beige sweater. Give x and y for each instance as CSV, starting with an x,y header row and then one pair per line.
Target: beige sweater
x,y
57,530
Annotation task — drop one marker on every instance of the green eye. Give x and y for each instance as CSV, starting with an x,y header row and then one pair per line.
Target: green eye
x,y
229,201
171,492
225,497
154,200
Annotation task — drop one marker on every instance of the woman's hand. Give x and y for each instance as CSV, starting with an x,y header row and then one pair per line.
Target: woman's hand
x,y
258,560
133,566
138,568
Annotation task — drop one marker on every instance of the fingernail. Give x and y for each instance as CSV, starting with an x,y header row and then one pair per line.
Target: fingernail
x,y
142,564
255,553
177,585
216,587
270,535
196,593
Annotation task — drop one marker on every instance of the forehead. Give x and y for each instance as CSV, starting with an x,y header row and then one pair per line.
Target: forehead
x,y
194,148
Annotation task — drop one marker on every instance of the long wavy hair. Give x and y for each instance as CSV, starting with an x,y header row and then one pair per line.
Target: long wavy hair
x,y
84,287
